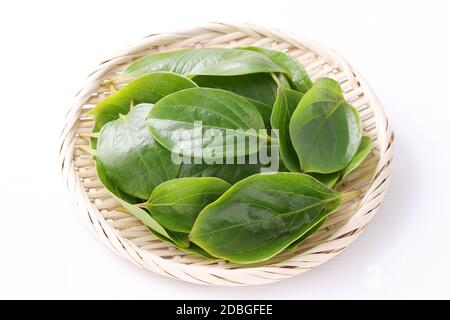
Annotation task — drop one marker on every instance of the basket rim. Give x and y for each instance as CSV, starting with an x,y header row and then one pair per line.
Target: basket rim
x,y
97,222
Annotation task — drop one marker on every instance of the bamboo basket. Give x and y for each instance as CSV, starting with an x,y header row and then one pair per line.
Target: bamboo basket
x,y
128,237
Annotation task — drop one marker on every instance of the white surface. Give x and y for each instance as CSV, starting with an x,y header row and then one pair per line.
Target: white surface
x,y
49,47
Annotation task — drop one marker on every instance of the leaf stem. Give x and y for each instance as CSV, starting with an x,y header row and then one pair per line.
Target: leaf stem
x,y
89,134
87,149
122,209
351,194
142,205
105,83
275,78
112,88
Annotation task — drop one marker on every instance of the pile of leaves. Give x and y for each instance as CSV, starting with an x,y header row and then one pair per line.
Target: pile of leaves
x,y
209,205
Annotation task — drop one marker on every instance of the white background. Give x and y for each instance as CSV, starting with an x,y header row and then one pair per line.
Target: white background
x,y
47,48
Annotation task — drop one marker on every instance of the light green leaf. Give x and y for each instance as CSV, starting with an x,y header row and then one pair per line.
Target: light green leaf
x,y
203,61
364,149
290,66
325,130
283,81
176,203
147,89
285,105
172,122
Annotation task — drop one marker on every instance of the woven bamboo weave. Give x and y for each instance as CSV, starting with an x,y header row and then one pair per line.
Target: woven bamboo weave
x,y
129,237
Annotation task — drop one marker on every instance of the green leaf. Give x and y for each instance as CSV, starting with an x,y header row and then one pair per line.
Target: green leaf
x,y
262,215
204,61
192,248
172,122
285,105
149,89
290,66
132,159
325,130
364,149
175,204
111,187
283,80
264,110
235,169
127,201
259,88
231,173
180,239
294,245
328,179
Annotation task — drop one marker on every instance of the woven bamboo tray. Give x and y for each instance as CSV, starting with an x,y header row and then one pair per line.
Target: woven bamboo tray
x,y
129,237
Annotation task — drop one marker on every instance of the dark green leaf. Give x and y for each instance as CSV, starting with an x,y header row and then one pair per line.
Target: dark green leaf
x,y
231,173
294,245
261,215
175,204
235,169
364,149
325,130
172,122
295,71
127,201
259,86
285,104
192,248
204,61
265,111
111,187
132,159
180,239
148,88
328,179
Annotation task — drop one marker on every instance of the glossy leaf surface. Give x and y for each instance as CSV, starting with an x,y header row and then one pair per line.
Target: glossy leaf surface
x,y
328,179
259,88
176,203
128,202
192,248
173,123
285,105
147,89
290,66
264,110
325,130
132,159
294,245
363,150
231,173
203,61
261,215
